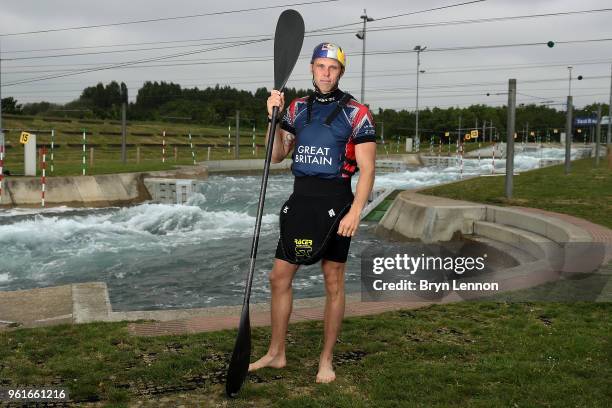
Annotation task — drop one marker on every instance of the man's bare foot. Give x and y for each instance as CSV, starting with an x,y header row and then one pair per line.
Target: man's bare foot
x,y
326,372
277,361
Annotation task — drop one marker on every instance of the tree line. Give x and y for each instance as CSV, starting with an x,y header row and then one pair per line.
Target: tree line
x,y
167,101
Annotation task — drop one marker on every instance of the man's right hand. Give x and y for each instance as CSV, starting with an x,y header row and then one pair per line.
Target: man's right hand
x,y
276,98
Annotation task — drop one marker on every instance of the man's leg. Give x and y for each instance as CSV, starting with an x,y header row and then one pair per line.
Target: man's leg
x,y
334,313
280,311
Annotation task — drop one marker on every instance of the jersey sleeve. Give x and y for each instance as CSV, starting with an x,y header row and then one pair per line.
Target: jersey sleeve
x,y
288,120
364,129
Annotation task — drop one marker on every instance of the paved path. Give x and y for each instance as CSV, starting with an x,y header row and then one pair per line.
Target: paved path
x,y
354,306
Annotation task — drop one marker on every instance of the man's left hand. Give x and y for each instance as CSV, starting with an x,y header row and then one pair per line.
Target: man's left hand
x,y
349,224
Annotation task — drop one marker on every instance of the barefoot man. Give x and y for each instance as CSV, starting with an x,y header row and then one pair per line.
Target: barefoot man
x,y
332,137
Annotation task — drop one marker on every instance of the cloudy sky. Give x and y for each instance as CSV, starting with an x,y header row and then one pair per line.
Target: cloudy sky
x,y
452,76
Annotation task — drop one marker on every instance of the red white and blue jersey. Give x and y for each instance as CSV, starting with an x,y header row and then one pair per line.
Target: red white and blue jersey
x,y
325,142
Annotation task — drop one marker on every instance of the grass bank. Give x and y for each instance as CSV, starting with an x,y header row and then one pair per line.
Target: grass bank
x,y
586,192
105,138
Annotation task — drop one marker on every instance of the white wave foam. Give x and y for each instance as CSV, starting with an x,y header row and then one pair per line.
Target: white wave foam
x,y
133,227
428,176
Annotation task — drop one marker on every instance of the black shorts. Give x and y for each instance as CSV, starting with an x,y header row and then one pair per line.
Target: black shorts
x,y
324,189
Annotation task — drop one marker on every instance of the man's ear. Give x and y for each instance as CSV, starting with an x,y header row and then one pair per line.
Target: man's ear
x,y
311,69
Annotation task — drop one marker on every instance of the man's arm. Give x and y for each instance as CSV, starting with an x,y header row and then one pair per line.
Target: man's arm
x,y
365,154
283,143
283,140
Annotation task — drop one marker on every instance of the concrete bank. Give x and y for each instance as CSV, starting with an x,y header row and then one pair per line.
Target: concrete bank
x,y
89,191
564,244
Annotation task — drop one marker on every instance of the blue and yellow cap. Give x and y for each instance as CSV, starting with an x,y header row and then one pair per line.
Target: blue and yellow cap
x,y
329,50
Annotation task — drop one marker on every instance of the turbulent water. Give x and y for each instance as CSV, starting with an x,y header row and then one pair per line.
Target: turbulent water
x,y
159,256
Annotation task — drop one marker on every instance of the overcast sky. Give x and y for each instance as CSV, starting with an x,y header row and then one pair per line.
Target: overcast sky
x,y
453,77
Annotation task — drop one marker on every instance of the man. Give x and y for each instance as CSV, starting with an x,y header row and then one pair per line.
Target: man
x,y
332,136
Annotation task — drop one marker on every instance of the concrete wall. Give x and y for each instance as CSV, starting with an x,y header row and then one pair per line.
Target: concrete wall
x,y
431,219
88,191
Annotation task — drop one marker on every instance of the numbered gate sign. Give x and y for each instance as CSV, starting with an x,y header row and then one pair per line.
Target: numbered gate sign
x,y
23,139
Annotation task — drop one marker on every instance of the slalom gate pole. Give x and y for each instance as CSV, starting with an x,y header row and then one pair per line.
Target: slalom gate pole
x,y
83,163
461,160
229,138
43,180
253,140
52,150
163,146
192,151
493,159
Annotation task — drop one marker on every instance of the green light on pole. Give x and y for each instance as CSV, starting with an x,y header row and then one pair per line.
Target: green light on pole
x,y
550,44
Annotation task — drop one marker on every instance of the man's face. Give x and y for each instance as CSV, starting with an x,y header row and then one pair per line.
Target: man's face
x,y
326,73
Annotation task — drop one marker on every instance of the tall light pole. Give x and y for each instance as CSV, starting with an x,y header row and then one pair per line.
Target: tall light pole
x,y
362,36
511,122
579,77
124,102
418,50
609,134
569,88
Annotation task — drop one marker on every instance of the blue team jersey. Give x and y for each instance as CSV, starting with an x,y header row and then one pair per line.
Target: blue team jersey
x,y
327,150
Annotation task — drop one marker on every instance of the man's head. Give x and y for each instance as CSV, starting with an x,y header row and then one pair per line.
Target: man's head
x,y
327,66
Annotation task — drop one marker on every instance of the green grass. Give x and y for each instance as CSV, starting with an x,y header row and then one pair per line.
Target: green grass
x,y
471,354
107,155
107,152
376,214
586,192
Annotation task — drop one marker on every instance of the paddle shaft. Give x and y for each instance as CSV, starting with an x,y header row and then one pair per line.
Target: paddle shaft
x,y
260,206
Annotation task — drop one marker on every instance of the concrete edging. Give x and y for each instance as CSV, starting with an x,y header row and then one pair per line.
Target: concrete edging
x,y
102,190
434,219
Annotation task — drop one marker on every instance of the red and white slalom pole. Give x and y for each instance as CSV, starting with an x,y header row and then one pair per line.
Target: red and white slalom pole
x,y
457,152
1,168
493,159
43,180
164,146
52,150
461,160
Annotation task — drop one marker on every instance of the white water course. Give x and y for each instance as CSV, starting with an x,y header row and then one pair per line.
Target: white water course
x,y
159,256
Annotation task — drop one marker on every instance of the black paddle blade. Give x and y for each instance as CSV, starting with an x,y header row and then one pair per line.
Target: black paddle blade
x,y
239,364
288,40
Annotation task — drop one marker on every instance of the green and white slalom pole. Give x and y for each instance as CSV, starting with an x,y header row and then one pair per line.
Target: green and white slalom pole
x,y
83,161
192,151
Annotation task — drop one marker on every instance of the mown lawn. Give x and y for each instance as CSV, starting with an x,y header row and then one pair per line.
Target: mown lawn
x,y
471,354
